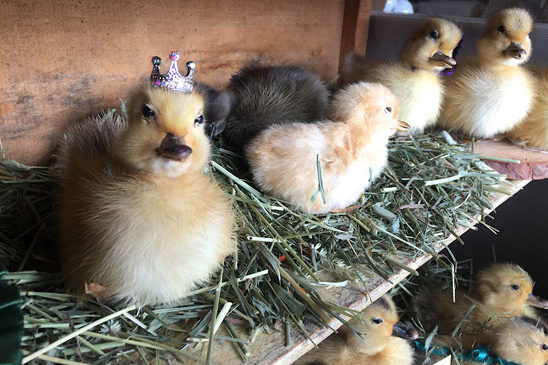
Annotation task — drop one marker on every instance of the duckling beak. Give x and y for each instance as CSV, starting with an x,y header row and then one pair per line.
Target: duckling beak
x,y
535,301
405,331
443,60
173,148
402,126
514,50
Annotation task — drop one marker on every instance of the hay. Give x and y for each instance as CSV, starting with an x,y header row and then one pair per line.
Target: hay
x,y
432,187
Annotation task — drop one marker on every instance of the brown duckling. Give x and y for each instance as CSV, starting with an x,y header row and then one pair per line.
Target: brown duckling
x,y
376,344
273,95
415,78
139,220
218,105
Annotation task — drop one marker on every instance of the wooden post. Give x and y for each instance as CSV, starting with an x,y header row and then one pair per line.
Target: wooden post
x,y
355,28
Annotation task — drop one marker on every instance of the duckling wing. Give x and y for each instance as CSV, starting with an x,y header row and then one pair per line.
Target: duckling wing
x,y
90,139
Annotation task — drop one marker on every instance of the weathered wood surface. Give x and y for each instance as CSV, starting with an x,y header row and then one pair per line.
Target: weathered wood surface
x,y
355,27
271,348
61,60
533,164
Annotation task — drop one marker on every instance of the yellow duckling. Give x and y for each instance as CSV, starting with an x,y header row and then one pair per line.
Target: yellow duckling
x,y
521,341
533,131
492,94
376,346
351,149
415,79
139,220
501,291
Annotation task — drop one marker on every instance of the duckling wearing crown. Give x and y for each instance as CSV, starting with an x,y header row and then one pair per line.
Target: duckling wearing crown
x,y
140,222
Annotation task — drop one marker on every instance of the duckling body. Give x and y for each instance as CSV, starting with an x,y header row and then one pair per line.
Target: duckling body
x,y
415,79
377,346
501,292
521,341
139,221
493,94
533,131
273,95
351,149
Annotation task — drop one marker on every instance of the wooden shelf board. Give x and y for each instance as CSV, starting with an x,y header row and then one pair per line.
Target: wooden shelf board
x,y
271,348
533,164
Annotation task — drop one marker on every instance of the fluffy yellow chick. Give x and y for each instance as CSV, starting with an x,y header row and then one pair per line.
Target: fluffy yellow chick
x,y
351,148
533,131
415,79
139,221
501,291
520,341
377,345
493,93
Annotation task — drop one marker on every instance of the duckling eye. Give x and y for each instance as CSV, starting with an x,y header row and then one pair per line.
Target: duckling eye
x,y
501,29
388,109
199,119
515,286
147,112
377,320
435,34
544,347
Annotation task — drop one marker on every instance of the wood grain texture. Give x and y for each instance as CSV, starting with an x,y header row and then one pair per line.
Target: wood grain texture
x,y
533,164
355,27
62,60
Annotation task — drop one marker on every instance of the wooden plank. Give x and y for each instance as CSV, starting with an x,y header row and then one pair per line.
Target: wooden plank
x,y
64,59
355,27
271,348
533,163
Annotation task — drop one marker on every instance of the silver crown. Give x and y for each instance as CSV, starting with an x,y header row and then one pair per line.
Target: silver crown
x,y
172,80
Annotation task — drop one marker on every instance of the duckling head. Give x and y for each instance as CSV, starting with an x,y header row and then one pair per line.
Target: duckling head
x,y
521,340
375,327
505,288
506,39
165,134
431,47
370,106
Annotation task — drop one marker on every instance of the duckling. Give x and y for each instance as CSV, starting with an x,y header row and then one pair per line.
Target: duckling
x,y
377,345
521,341
533,131
139,220
415,79
273,95
218,105
350,149
492,94
501,291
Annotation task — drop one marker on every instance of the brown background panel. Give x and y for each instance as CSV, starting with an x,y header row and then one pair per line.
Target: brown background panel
x,y
62,60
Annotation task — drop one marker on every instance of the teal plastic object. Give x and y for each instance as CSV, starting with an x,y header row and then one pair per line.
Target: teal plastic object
x,y
11,323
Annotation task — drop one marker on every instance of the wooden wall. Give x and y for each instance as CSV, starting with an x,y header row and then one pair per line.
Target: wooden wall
x,y
62,60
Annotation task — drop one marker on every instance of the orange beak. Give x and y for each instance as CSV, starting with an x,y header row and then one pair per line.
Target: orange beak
x,y
402,126
443,60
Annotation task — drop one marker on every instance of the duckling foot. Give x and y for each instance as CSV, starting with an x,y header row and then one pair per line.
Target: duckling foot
x,y
96,290
346,210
